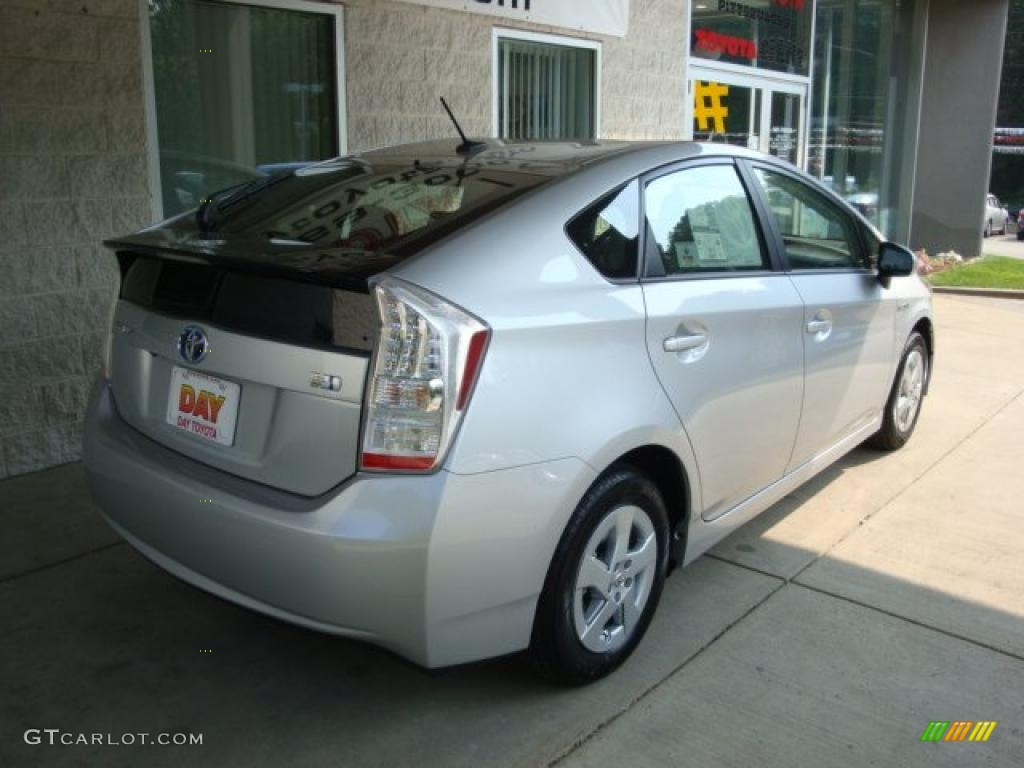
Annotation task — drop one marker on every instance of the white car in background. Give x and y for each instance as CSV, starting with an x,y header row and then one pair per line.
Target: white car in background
x,y
996,217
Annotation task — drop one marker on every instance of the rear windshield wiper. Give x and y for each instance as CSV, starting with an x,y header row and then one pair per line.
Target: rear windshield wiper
x,y
210,213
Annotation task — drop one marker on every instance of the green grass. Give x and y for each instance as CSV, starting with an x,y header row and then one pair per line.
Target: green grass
x,y
989,272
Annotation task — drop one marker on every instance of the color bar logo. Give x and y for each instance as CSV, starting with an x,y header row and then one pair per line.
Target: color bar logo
x,y
959,730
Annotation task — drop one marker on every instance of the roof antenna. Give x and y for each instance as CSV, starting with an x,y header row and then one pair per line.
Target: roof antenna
x,y
467,147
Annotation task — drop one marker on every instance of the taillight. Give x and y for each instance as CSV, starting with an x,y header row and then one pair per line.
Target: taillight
x,y
427,360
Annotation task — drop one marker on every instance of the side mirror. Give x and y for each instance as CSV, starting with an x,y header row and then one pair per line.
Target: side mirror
x,y
894,261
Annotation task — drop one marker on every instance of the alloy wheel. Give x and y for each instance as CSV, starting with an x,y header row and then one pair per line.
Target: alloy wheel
x,y
911,389
613,583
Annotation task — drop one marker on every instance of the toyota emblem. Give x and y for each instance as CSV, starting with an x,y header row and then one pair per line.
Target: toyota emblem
x,y
192,345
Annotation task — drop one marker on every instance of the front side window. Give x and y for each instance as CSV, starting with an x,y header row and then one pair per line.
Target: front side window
x,y
546,91
701,220
606,232
241,93
816,233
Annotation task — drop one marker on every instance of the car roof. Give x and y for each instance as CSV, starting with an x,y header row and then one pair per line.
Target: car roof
x,y
554,159
546,158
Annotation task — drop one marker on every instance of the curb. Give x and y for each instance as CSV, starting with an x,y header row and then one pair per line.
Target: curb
x,y
991,293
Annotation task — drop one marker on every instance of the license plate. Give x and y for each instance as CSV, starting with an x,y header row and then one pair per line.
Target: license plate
x,y
203,405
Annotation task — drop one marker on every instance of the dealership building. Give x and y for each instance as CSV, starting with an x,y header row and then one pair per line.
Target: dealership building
x,y
117,113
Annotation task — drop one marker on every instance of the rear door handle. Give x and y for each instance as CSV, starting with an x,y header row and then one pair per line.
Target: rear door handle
x,y
819,326
685,342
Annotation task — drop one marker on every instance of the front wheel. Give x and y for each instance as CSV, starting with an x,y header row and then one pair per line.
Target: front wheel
x,y
988,229
904,404
604,581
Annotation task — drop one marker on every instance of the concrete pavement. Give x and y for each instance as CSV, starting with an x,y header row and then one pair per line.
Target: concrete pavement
x,y
884,594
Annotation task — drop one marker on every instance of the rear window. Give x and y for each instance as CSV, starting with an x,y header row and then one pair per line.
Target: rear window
x,y
606,232
353,204
299,313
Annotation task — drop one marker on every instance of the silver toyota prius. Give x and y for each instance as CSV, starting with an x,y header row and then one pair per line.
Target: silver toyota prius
x,y
461,401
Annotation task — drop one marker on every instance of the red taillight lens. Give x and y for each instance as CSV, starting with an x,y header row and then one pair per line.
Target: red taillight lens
x,y
428,357
474,358
386,461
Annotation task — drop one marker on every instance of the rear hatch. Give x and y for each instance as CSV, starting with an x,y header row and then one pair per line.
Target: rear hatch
x,y
243,333
261,377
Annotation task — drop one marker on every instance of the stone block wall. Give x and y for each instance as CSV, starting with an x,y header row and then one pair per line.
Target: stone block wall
x,y
72,171
401,57
644,74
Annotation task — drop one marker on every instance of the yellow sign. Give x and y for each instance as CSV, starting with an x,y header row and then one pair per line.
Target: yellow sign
x,y
708,106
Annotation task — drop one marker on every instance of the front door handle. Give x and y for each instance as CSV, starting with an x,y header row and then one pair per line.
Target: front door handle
x,y
820,325
685,342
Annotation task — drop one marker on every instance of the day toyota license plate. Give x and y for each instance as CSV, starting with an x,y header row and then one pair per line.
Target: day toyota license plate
x,y
203,405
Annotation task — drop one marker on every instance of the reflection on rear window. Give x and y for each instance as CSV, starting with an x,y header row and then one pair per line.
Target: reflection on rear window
x,y
352,204
381,211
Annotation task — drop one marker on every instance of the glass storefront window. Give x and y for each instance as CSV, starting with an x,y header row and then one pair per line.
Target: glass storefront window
x,y
850,99
241,92
862,102
727,113
749,110
784,131
768,34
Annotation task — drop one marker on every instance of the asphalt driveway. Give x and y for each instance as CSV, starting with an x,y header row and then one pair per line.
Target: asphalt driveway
x,y
1004,245
829,631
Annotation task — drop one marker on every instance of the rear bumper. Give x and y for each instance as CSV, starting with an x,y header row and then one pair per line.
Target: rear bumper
x,y
439,568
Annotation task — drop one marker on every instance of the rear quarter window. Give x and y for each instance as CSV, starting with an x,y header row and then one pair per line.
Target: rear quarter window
x,y
606,232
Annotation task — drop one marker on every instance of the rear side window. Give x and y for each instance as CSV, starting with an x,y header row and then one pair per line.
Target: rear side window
x,y
701,220
606,232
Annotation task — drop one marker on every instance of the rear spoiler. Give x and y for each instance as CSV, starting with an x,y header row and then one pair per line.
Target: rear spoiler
x,y
342,268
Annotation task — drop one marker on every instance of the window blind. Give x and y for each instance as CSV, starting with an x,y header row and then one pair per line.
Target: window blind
x,y
545,91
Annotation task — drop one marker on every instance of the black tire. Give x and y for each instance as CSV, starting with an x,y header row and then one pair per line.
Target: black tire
x,y
1020,233
890,437
988,229
556,650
